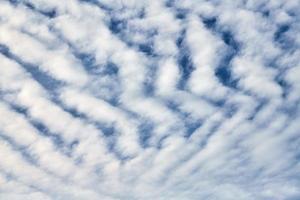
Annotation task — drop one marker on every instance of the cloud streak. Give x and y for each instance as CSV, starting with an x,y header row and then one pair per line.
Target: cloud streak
x,y
130,99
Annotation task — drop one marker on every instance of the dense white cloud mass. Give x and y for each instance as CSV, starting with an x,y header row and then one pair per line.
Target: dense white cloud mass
x,y
149,99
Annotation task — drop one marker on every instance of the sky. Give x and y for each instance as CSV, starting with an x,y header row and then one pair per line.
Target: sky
x,y
149,99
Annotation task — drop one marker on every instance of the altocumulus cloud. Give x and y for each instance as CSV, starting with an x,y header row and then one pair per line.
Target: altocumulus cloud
x,y
149,99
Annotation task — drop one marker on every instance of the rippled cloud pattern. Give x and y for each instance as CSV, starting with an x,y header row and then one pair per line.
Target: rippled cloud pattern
x,y
149,99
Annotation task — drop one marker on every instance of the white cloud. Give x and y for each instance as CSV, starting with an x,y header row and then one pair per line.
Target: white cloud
x,y
149,99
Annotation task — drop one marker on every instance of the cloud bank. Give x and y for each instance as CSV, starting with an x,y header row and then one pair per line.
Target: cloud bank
x,y
143,100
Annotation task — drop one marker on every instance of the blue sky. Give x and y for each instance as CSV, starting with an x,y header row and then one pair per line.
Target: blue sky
x,y
149,99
